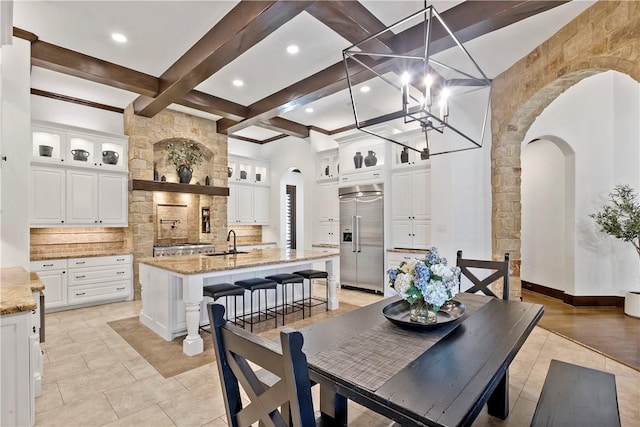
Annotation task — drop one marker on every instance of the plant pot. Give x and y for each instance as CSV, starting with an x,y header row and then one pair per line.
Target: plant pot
x,y
632,304
184,174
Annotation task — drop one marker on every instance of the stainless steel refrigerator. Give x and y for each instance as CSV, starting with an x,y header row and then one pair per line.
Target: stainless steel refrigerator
x,y
361,237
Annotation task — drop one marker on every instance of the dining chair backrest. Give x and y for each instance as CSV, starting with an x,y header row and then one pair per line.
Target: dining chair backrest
x,y
501,272
247,360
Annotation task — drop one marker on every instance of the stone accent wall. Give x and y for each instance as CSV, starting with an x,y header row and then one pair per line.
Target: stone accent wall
x,y
247,234
604,37
49,243
143,134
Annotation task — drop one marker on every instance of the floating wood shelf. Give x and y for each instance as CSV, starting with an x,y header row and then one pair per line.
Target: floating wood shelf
x,y
172,187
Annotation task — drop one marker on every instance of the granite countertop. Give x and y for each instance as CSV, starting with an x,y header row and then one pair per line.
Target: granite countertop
x,y
409,251
325,245
16,290
47,257
196,264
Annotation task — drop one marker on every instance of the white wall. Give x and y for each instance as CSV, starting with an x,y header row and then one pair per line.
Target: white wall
x,y
543,223
52,110
598,118
15,144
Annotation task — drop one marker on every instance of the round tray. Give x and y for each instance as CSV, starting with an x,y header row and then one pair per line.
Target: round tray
x,y
398,313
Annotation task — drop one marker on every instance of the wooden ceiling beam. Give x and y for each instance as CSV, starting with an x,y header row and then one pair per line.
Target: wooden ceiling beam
x,y
353,22
467,20
214,105
78,101
248,23
285,126
76,64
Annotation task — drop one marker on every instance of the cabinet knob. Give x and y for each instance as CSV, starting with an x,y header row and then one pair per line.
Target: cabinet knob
x,y
62,221
96,221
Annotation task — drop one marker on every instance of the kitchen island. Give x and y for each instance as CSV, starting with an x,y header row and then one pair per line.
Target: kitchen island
x,y
172,286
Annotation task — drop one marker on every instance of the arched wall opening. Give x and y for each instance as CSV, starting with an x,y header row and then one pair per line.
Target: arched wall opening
x,y
602,38
548,214
293,177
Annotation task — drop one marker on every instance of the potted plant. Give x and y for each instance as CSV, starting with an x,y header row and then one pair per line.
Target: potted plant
x,y
620,218
184,153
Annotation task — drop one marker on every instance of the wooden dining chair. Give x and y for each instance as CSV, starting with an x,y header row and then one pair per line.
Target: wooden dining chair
x,y
274,376
501,272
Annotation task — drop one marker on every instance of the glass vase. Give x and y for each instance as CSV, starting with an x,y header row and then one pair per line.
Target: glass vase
x,y
421,312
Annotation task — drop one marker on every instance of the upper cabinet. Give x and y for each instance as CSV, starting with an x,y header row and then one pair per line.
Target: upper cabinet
x,y
409,155
362,160
66,145
248,171
78,177
328,166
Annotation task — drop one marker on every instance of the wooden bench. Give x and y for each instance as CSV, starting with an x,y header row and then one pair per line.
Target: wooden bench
x,y
577,396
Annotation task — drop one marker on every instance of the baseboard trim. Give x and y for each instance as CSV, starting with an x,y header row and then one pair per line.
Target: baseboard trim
x,y
577,301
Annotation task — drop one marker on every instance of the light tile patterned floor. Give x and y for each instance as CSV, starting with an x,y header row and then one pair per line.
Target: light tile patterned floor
x,y
92,377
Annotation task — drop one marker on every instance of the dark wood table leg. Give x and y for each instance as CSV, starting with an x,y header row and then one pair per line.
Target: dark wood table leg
x,y
498,403
333,406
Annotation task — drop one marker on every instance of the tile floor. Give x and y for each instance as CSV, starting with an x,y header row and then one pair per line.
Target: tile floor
x,y
92,377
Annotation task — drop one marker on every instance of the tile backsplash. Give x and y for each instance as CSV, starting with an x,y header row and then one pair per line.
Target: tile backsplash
x,y
75,242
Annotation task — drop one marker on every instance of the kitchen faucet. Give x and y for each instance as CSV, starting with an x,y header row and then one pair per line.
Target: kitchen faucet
x,y
234,250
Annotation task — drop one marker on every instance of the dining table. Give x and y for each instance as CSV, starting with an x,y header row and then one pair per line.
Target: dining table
x,y
416,374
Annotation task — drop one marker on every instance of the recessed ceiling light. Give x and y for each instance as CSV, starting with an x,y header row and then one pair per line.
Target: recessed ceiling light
x,y
365,89
120,38
238,83
309,110
293,49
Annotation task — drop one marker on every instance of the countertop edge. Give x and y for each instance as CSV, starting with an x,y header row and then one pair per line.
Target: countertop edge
x,y
409,251
17,291
55,257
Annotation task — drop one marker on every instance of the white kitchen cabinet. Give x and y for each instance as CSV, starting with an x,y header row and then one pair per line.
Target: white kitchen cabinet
x,y
411,208
247,170
99,279
53,273
83,281
72,196
113,199
82,197
47,196
17,406
69,145
248,204
327,165
328,221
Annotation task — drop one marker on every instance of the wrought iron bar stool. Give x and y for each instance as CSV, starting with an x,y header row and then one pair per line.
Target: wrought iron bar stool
x,y
285,279
256,285
312,301
225,290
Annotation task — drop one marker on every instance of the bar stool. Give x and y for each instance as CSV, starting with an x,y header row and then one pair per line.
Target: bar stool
x,y
310,275
259,284
285,279
225,290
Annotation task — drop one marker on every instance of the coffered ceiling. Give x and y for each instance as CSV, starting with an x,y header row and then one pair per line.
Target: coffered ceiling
x,y
185,55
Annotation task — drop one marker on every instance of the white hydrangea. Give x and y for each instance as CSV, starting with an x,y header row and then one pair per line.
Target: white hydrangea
x,y
403,283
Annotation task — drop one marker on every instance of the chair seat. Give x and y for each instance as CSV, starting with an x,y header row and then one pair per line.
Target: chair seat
x,y
257,283
222,290
286,278
312,274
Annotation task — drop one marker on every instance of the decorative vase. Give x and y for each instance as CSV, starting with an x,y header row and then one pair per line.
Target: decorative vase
x,y
184,174
371,159
632,304
421,312
207,180
229,172
357,160
424,154
404,156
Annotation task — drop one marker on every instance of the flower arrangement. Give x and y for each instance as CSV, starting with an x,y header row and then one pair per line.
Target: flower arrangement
x,y
184,152
425,282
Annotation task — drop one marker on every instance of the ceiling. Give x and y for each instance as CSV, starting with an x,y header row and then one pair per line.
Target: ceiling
x,y
156,69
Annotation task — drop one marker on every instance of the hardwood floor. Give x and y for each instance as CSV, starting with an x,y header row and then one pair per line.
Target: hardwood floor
x,y
604,329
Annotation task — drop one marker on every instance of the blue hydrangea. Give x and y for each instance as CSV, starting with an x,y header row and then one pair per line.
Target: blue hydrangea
x,y
392,274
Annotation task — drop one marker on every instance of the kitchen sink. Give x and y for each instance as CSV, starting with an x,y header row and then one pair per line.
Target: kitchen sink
x,y
226,253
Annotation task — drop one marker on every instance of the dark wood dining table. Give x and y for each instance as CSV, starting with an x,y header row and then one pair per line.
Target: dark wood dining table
x,y
426,377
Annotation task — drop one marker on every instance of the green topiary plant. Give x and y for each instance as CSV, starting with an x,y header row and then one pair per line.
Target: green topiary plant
x,y
620,218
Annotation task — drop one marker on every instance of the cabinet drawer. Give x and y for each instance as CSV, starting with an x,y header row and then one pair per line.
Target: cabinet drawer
x,y
98,292
49,264
100,261
78,276
395,258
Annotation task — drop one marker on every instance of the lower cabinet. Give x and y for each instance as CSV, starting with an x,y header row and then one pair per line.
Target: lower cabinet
x,y
84,281
20,366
